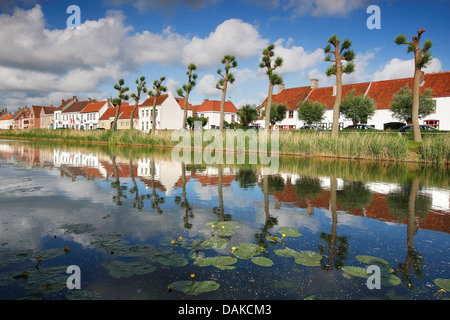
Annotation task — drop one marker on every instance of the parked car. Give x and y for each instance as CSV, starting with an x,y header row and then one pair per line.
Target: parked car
x,y
309,128
422,128
254,127
360,127
393,125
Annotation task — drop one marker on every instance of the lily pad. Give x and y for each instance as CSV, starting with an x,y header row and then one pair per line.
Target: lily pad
x,y
223,228
262,261
308,258
171,259
121,269
219,261
443,283
213,243
289,232
247,250
48,254
194,287
79,228
286,252
372,260
386,278
273,239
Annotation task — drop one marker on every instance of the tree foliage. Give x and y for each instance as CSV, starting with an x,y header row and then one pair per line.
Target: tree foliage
x,y
358,108
137,96
277,113
230,62
247,114
311,111
121,95
191,121
159,88
402,102
186,89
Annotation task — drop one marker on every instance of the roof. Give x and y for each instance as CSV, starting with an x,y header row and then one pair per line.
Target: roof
x,y
65,103
94,106
151,100
37,111
49,110
214,105
125,112
76,107
380,91
110,112
7,117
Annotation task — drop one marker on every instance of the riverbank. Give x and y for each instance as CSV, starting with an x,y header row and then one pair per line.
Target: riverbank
x,y
435,149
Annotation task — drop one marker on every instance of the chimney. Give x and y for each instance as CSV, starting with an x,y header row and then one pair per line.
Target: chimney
x,y
314,83
334,90
62,101
75,99
280,87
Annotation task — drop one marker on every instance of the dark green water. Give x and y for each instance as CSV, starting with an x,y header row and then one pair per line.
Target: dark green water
x,y
138,223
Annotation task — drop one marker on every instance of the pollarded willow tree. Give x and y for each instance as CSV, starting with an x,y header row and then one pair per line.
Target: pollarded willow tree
x,y
118,101
227,77
159,88
341,53
187,88
137,96
274,78
421,58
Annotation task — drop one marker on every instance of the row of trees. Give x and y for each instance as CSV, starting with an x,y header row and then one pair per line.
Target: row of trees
x,y
341,56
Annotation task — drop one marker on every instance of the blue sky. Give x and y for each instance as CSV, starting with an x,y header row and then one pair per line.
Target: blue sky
x,y
42,62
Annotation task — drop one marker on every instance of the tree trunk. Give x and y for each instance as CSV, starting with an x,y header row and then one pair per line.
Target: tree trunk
x,y
154,115
185,111
222,105
132,114
418,78
269,104
337,100
114,125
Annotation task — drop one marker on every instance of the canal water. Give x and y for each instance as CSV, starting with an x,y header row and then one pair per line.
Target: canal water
x,y
137,225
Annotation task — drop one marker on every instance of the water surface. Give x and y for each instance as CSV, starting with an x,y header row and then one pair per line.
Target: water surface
x,y
137,223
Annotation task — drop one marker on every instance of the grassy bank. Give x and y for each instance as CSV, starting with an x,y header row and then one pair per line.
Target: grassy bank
x,y
374,146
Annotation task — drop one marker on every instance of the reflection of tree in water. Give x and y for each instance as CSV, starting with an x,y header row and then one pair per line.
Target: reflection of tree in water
x,y
268,183
138,200
183,202
308,188
156,199
220,209
337,246
409,203
246,178
354,194
116,184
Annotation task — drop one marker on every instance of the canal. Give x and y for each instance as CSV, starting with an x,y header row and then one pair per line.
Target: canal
x,y
141,226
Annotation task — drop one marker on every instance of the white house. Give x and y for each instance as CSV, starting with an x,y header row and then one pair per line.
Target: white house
x,y
91,114
210,109
57,114
6,122
169,113
381,91
71,117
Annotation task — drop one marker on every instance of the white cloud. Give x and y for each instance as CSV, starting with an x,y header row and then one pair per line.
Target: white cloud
x,y
296,58
322,7
233,37
397,68
207,86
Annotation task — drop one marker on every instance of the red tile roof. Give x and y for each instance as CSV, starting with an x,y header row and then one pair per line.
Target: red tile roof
x,y
214,105
380,91
7,117
94,106
49,110
110,112
149,102
77,107
125,112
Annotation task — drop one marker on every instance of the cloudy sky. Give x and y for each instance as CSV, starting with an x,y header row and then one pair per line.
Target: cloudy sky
x,y
43,61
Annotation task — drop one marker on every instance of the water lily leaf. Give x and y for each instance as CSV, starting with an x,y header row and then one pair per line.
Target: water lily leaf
x,y
247,250
356,271
79,228
213,243
262,261
223,228
289,232
372,260
48,254
443,283
194,287
286,252
171,259
121,269
273,239
82,295
219,261
308,258
283,284
387,279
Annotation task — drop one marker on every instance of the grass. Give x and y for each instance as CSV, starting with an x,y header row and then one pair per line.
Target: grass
x,y
374,146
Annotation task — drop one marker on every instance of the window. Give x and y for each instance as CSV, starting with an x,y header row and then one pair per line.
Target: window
x,y
291,114
432,123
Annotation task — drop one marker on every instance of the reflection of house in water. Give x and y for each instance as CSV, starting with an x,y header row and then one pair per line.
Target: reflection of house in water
x,y
166,172
437,218
74,163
